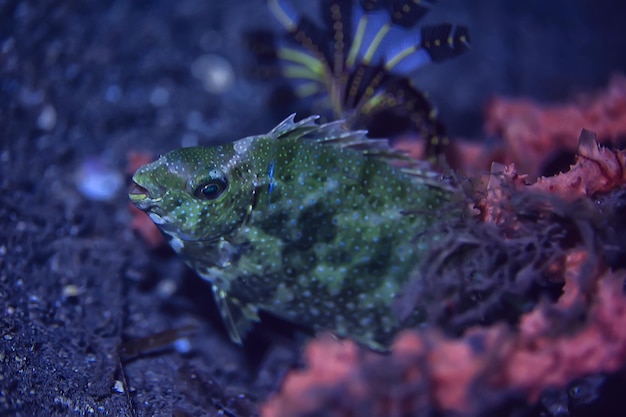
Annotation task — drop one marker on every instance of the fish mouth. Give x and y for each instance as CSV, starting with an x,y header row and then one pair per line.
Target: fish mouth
x,y
141,197
137,193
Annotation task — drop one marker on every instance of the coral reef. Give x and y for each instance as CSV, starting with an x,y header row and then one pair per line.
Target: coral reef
x,y
534,133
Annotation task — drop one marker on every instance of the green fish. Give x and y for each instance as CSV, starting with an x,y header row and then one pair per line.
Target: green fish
x,y
313,223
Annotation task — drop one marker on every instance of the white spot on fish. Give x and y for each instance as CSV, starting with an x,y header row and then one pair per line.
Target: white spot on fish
x,y
241,146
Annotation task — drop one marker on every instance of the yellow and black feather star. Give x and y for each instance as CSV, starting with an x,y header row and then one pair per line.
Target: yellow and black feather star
x,y
357,65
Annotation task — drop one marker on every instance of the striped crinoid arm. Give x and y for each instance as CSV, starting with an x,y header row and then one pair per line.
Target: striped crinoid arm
x,y
356,62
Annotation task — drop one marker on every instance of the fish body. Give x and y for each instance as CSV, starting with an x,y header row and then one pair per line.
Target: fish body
x,y
309,222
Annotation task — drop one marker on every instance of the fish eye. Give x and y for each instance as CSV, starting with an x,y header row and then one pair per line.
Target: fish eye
x,y
211,189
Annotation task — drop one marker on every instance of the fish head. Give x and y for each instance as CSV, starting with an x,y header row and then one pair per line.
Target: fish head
x,y
195,194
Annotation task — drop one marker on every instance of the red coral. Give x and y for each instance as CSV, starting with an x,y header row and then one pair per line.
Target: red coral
x,y
533,132
597,170
426,369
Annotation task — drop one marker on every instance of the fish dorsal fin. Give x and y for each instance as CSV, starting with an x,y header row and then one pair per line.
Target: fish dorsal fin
x,y
424,174
288,128
237,318
336,134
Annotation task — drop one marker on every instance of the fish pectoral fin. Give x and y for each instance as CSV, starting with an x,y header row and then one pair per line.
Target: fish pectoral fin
x,y
237,318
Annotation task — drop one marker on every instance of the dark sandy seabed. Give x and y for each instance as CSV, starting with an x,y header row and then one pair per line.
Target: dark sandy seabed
x,y
89,81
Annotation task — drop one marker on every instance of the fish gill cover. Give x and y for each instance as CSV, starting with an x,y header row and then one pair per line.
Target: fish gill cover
x,y
357,64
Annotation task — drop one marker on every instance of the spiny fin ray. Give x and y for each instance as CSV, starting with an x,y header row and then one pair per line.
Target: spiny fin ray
x,y
238,319
337,134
